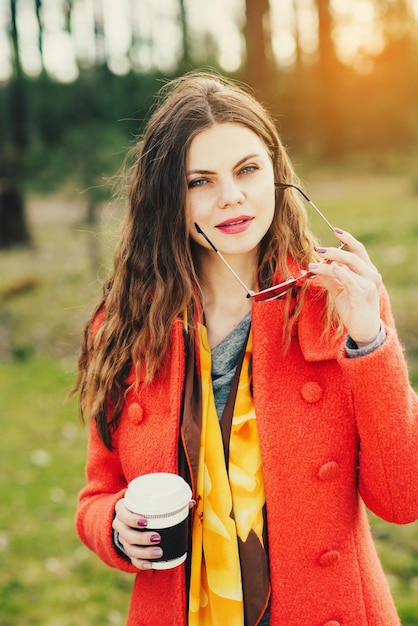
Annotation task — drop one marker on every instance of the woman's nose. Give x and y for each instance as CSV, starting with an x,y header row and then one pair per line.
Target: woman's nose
x,y
230,194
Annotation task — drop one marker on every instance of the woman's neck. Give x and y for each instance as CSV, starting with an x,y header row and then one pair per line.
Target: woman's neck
x,y
224,300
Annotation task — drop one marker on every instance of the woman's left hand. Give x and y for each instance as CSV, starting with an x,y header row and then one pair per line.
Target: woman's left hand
x,y
354,284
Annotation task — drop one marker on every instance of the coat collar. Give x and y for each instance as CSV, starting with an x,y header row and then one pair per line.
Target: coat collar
x,y
309,329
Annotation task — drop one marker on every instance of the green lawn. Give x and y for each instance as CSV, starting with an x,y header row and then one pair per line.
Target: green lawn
x,y
47,578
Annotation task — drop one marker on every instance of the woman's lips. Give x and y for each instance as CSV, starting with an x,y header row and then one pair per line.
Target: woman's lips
x,y
235,225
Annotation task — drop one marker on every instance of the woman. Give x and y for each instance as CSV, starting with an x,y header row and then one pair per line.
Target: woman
x,y
286,415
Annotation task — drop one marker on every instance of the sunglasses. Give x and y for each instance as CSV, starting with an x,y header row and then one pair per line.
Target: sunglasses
x,y
276,291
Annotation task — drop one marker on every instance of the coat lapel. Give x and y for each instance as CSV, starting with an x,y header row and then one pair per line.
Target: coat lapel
x,y
315,345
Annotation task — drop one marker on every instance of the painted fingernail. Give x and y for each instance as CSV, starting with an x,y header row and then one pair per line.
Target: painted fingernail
x,y
142,523
146,566
314,266
321,250
339,231
155,538
157,552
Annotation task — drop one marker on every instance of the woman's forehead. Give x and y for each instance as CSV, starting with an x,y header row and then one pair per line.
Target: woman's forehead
x,y
226,141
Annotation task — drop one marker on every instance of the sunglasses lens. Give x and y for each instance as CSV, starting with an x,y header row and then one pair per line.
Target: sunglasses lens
x,y
277,291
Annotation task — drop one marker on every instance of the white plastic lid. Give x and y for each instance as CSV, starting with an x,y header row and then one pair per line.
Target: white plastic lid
x,y
157,494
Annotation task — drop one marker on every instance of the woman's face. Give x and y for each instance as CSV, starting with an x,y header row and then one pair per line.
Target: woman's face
x,y
230,192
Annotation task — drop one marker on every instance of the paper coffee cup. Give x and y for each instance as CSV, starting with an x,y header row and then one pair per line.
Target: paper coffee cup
x,y
163,500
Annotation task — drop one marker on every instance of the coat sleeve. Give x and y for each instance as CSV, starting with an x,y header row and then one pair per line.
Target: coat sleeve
x,y
386,409
96,505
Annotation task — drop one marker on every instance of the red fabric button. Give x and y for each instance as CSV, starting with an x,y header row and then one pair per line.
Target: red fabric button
x,y
328,471
311,392
333,622
135,412
329,557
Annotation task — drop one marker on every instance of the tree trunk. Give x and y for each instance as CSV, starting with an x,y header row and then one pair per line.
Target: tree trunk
x,y
185,56
13,225
296,34
329,75
99,34
257,32
18,99
38,8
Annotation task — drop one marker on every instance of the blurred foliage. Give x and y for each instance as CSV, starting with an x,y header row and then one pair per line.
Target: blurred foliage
x,y
78,131
55,135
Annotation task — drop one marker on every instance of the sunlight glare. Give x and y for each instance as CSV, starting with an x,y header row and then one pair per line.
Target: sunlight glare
x,y
306,19
118,35
146,34
27,26
59,56
287,19
283,41
5,51
224,22
82,28
357,35
166,38
116,26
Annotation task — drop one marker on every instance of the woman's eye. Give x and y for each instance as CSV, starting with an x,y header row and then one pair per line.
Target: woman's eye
x,y
197,183
248,169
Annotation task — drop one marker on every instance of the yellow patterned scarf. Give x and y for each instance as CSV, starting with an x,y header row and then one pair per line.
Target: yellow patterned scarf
x,y
229,581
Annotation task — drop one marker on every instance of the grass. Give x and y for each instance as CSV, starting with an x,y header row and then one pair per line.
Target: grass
x,y
381,210
47,577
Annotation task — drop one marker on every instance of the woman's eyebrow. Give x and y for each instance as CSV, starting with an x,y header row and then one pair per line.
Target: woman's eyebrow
x,y
240,162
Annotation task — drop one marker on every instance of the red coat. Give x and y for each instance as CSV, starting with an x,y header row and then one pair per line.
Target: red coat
x,y
334,432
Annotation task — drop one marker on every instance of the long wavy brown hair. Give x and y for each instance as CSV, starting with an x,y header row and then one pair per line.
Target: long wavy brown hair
x,y
154,278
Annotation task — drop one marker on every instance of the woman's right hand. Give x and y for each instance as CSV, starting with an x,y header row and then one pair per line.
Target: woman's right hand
x,y
139,544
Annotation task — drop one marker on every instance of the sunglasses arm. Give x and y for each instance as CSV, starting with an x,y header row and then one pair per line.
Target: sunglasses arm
x,y
250,293
308,200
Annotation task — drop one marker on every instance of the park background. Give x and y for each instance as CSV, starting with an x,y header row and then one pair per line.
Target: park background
x,y
77,81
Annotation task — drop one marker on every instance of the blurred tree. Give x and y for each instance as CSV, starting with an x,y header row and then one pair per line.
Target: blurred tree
x,y
296,35
184,62
38,9
18,104
99,33
393,85
325,103
140,42
330,76
259,65
68,8
13,224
